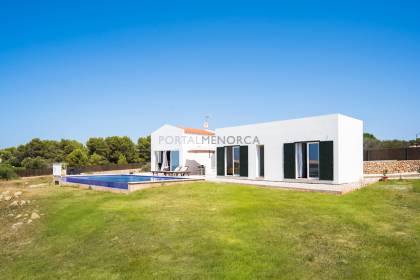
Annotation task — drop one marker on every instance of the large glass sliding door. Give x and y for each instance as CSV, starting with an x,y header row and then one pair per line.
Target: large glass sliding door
x,y
236,161
174,159
229,160
232,160
313,160
166,160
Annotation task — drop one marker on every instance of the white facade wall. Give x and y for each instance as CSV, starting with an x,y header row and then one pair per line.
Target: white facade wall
x,y
186,157
350,157
345,132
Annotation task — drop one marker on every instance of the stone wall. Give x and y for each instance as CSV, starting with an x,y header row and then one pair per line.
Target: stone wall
x,y
393,166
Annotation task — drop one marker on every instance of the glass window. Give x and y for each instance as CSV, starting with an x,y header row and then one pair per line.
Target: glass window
x,y
229,160
236,160
232,160
313,160
174,159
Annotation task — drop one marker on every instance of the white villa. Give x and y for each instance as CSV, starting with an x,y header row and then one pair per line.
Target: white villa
x,y
321,149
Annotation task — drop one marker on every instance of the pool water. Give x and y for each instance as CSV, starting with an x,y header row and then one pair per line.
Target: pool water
x,y
116,181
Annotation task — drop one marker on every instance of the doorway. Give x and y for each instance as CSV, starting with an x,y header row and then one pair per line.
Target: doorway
x,y
232,160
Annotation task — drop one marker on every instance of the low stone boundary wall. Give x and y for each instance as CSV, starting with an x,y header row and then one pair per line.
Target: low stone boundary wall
x,y
393,166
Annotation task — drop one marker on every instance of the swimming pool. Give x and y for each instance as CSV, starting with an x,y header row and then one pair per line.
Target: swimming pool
x,y
122,182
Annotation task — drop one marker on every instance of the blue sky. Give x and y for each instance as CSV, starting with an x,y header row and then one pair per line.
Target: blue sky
x,y
100,68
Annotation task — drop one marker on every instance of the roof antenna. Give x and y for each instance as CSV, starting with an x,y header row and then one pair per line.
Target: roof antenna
x,y
206,122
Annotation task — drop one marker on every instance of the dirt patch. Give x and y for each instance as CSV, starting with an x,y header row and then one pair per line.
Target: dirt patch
x,y
19,209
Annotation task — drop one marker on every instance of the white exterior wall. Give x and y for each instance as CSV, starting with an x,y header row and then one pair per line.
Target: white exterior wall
x,y
350,157
186,158
345,132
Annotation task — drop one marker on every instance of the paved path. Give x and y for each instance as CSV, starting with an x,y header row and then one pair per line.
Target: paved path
x,y
314,187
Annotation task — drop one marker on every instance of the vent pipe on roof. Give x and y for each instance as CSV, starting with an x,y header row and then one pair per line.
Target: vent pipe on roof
x,y
206,122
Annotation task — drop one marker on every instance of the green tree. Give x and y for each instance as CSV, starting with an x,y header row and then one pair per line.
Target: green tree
x,y
7,172
52,151
77,158
392,144
97,145
370,142
35,148
8,156
143,146
48,150
68,146
35,163
369,136
122,160
121,145
96,159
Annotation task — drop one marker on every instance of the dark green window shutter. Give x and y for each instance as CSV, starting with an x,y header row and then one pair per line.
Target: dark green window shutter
x,y
289,161
261,161
220,161
326,160
243,161
305,160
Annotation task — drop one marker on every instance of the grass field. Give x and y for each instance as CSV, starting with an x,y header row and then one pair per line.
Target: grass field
x,y
212,231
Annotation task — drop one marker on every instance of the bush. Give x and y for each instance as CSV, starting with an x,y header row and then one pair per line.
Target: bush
x,y
122,160
7,172
34,163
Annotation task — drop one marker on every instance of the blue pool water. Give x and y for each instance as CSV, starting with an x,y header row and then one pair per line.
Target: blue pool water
x,y
115,181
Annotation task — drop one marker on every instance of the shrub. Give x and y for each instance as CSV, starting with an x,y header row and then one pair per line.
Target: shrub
x,y
34,163
7,172
122,160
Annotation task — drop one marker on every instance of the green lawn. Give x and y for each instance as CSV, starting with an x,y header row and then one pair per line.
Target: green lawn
x,y
213,231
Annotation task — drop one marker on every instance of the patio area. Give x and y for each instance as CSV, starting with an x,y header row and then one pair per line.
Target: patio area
x,y
302,186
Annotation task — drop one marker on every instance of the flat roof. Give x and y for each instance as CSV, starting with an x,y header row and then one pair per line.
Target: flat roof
x,y
287,120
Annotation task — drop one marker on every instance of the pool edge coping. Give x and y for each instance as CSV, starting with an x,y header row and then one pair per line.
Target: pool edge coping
x,y
131,186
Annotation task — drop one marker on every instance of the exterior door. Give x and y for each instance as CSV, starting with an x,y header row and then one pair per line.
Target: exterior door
x,y
313,160
174,159
233,166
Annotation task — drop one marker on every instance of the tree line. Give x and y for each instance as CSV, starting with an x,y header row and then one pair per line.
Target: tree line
x,y
370,142
114,150
96,151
